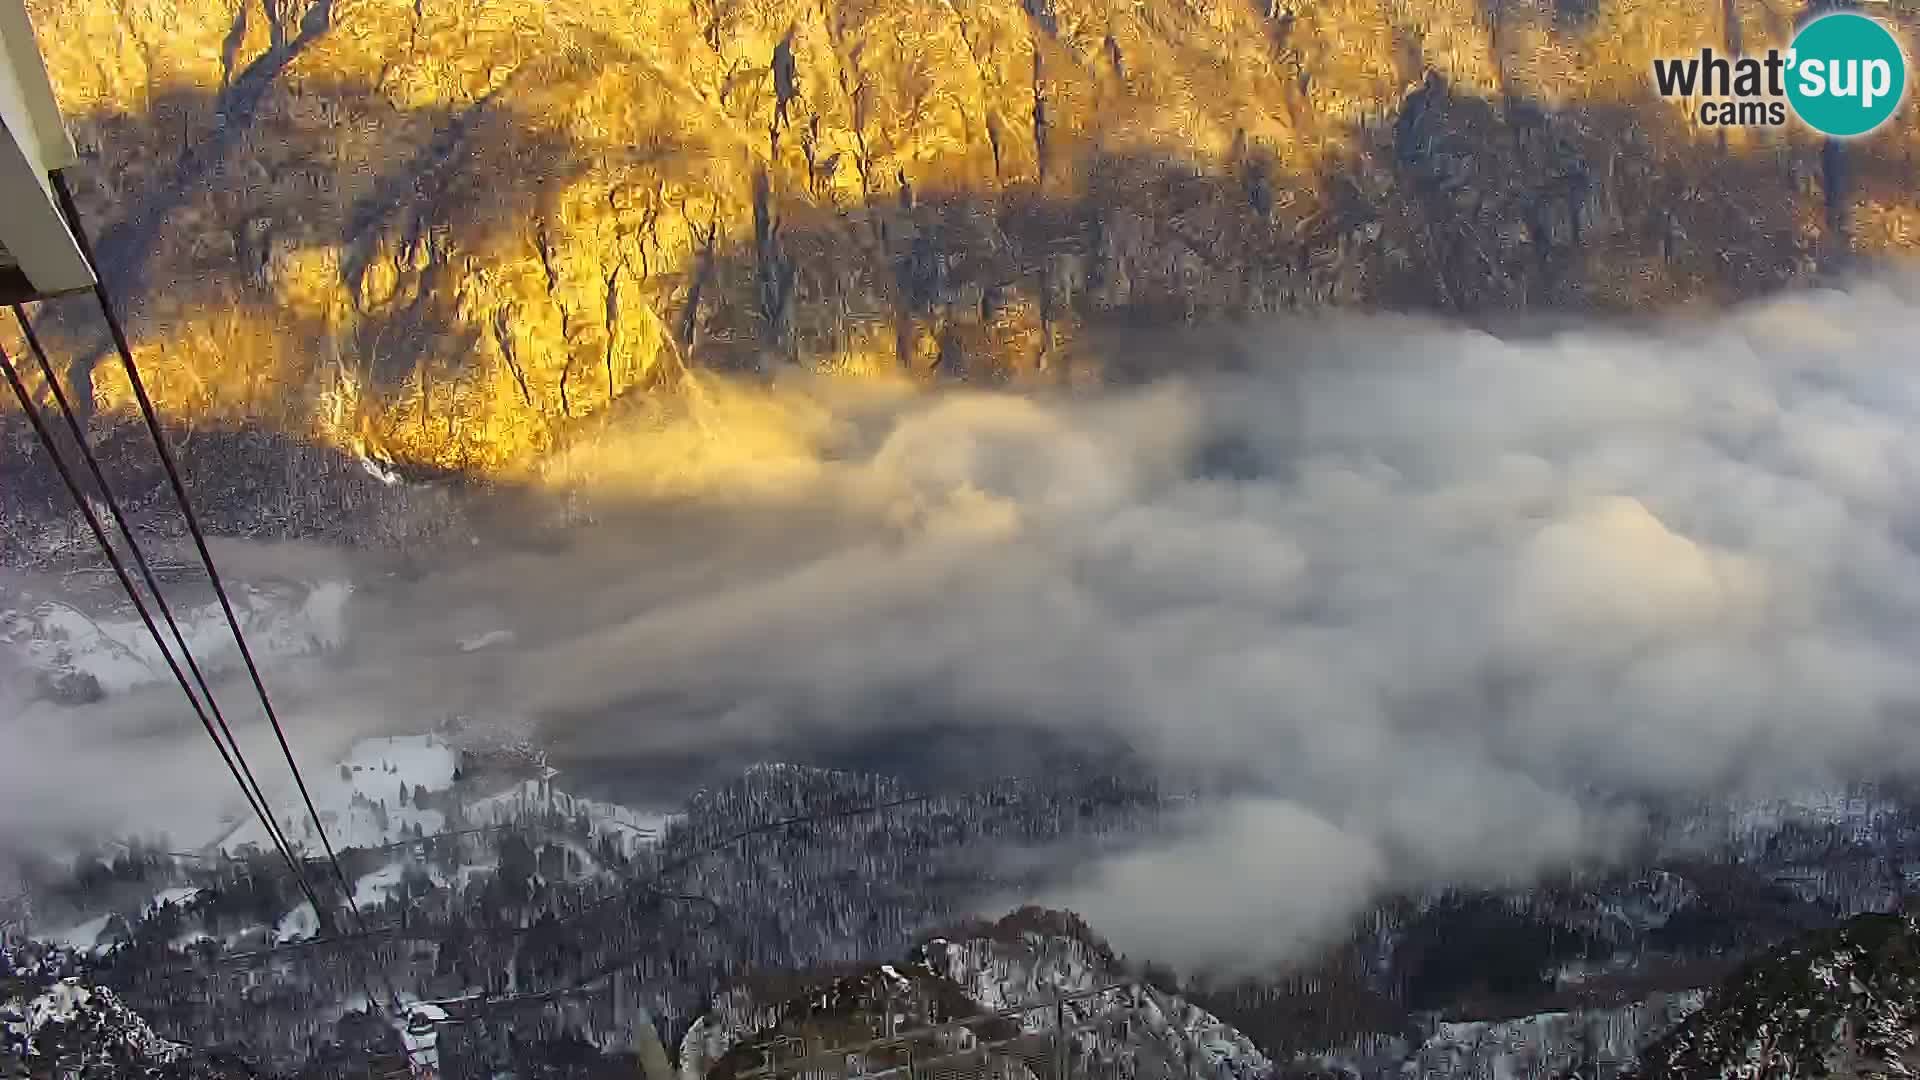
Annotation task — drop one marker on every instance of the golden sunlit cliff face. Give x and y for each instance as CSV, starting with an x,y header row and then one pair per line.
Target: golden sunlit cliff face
x,y
443,231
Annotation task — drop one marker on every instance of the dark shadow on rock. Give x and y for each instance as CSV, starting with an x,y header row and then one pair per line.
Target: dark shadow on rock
x,y
210,130
1456,203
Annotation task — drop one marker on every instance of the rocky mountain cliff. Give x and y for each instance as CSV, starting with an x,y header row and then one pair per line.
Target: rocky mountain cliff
x,y
1842,1003
69,1028
438,232
1030,993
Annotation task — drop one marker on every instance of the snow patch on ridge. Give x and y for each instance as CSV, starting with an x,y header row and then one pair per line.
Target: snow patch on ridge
x,y
60,640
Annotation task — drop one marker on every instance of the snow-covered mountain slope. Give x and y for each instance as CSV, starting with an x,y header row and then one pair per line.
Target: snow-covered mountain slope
x,y
1018,981
389,790
544,800
405,821
1555,1044
70,1026
79,655
66,1026
530,890
1017,967
1842,1003
1751,828
372,797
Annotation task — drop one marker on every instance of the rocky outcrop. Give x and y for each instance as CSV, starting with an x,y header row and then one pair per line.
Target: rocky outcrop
x,y
1842,1003
1037,988
69,1028
439,233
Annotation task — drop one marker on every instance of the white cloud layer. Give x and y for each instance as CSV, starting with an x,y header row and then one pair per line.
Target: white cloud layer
x,y
1415,590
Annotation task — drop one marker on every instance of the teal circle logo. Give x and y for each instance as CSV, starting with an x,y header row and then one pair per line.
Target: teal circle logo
x,y
1846,74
